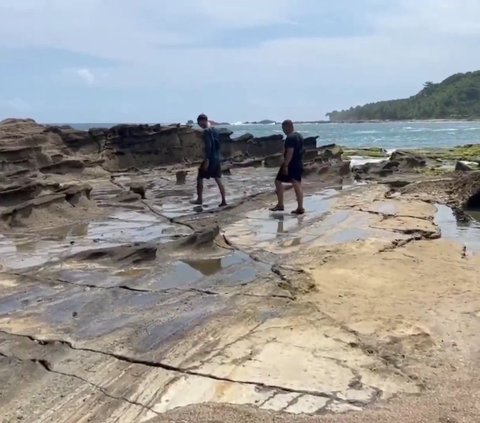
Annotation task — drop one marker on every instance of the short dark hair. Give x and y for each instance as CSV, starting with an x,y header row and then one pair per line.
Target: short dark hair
x,y
202,116
287,122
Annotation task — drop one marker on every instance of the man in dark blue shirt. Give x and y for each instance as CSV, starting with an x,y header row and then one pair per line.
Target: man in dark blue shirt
x,y
291,169
211,166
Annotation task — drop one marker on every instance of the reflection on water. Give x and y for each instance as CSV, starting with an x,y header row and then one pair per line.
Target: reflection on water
x,y
467,233
210,266
206,267
23,251
234,268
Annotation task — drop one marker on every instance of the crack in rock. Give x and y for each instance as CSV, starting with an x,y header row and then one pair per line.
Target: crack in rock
x,y
48,367
398,243
151,291
175,369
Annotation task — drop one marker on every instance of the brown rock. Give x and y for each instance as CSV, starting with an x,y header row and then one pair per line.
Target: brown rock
x,y
275,160
407,159
330,151
181,177
139,188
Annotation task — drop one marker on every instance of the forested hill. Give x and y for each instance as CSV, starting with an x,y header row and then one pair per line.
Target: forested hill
x,y
457,97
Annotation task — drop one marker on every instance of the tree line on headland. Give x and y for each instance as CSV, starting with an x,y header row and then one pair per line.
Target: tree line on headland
x,y
457,97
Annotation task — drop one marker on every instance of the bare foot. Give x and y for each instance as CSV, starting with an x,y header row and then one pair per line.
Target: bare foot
x,y
277,208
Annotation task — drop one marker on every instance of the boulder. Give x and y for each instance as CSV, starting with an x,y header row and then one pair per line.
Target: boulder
x,y
334,168
275,160
22,201
145,146
374,170
464,191
264,146
274,137
408,160
462,167
225,134
243,138
310,142
330,151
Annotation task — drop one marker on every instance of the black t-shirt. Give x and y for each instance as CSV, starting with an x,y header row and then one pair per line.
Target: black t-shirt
x,y
295,141
211,139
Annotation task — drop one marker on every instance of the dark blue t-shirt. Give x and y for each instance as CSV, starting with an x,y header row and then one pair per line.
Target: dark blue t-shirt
x,y
211,140
295,141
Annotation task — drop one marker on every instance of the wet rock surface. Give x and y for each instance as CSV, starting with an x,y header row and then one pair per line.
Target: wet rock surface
x,y
120,305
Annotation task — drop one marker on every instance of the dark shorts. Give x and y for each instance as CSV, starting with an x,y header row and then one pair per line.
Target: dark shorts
x,y
213,171
294,174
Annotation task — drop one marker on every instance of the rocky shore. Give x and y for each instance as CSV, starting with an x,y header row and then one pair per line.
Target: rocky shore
x,y
121,302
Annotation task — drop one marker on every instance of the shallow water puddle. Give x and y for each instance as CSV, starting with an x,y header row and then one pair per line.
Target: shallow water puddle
x,y
467,233
201,273
243,183
262,227
33,249
234,269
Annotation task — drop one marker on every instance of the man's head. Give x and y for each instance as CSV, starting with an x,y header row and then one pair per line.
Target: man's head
x,y
202,121
287,126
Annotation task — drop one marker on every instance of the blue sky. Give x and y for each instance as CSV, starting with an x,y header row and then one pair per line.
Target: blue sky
x,y
236,60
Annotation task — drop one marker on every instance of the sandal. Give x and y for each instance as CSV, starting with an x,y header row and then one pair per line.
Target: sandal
x,y
298,211
277,208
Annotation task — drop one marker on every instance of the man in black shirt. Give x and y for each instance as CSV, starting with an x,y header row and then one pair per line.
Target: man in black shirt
x,y
211,166
291,169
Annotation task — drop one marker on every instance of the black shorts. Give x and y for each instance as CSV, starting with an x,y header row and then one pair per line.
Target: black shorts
x,y
214,171
294,174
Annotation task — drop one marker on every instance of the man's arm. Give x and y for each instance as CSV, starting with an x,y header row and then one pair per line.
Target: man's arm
x,y
289,149
288,157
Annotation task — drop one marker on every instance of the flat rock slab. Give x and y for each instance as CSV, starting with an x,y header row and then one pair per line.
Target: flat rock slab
x,y
96,333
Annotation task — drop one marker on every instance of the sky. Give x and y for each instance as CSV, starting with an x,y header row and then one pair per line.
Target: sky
x,y
235,60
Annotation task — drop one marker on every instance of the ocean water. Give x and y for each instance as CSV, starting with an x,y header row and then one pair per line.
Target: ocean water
x,y
387,135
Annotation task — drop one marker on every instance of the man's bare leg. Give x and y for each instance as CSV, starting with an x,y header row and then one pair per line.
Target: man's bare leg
x,y
297,186
279,190
221,187
199,199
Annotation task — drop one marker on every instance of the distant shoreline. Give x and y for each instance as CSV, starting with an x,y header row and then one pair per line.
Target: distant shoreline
x,y
111,124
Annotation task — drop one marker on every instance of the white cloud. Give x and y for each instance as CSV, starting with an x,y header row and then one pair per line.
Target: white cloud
x,y
86,75
169,46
